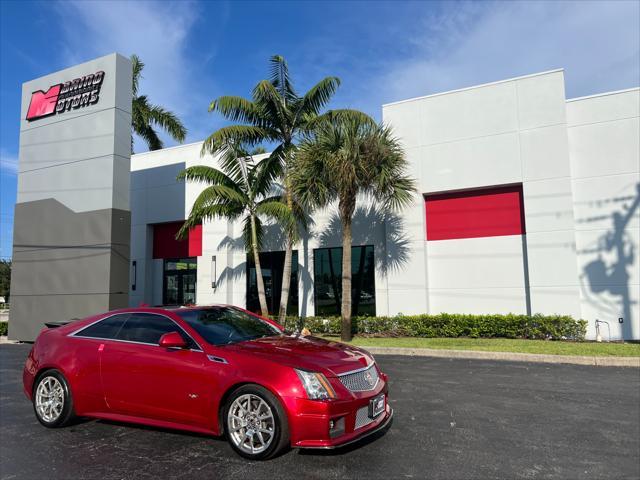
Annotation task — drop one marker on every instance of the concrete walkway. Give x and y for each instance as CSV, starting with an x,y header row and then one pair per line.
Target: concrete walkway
x,y
508,356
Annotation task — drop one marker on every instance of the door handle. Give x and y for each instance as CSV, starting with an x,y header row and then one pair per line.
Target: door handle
x,y
101,347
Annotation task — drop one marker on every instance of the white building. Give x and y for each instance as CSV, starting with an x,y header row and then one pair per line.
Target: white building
x,y
529,203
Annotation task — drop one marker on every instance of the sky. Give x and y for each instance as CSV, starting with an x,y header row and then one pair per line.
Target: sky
x,y
382,52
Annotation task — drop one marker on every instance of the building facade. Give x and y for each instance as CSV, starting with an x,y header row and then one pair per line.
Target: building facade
x,y
528,203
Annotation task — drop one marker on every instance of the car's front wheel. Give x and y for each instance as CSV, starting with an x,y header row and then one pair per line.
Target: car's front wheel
x,y
52,401
256,424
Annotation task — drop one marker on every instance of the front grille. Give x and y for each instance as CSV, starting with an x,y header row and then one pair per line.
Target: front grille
x,y
362,418
362,381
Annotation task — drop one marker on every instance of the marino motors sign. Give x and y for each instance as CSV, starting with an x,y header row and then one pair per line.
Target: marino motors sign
x,y
62,97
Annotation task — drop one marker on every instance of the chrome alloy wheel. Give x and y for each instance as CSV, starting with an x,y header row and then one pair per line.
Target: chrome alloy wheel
x,y
49,399
251,424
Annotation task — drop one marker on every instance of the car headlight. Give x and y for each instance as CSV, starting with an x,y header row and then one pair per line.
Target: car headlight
x,y
316,385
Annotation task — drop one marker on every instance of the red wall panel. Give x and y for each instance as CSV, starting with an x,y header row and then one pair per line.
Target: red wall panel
x,y
487,212
165,244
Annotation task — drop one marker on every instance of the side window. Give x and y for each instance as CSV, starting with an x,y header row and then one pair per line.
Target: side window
x,y
107,328
148,328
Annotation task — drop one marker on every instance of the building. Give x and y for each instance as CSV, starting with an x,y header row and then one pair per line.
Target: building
x,y
528,203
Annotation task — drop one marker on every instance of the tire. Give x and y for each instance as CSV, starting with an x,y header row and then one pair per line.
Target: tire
x,y
260,433
60,412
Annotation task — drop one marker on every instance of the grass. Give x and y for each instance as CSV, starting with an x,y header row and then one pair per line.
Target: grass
x,y
504,345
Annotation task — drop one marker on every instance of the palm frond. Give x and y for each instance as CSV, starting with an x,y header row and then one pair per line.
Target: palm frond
x,y
237,109
248,135
149,135
278,211
206,174
319,95
168,121
280,78
137,66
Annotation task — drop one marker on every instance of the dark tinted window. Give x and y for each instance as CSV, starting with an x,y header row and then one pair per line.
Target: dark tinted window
x,y
107,328
148,328
224,325
327,266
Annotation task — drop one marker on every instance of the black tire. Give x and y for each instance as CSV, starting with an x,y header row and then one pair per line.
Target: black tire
x,y
67,414
280,441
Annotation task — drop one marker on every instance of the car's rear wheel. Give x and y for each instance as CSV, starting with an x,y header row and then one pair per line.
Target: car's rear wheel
x,y
52,399
256,424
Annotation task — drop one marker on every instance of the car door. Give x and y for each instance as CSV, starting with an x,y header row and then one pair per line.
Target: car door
x,y
142,379
85,345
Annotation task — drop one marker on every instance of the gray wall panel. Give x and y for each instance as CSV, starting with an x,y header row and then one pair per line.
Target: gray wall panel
x,y
72,218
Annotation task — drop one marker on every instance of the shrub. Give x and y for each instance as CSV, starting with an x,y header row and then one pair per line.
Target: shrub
x,y
4,328
510,325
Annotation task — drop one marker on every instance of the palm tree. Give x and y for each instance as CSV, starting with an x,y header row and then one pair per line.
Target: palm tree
x,y
241,189
145,115
275,114
347,156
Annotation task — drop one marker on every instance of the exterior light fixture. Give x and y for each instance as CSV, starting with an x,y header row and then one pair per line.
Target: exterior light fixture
x,y
214,284
134,274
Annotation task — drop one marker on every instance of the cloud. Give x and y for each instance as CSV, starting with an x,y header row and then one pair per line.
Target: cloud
x,y
597,43
8,163
159,33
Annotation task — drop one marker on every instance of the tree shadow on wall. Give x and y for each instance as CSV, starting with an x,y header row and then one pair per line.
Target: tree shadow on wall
x,y
373,226
612,276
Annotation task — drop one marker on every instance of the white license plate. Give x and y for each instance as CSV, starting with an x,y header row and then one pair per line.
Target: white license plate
x,y
376,406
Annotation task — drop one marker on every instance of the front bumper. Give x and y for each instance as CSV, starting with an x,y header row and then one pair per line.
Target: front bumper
x,y
309,420
386,421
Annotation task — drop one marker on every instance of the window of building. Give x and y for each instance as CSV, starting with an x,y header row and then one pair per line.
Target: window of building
x,y
327,266
484,212
107,328
272,264
179,281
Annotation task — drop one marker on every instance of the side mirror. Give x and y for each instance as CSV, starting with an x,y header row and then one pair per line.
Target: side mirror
x,y
172,340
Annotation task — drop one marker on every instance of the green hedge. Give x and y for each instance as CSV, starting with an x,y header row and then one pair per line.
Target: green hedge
x,y
4,327
452,325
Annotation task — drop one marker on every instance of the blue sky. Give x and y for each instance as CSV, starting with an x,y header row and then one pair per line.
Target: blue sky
x,y
382,51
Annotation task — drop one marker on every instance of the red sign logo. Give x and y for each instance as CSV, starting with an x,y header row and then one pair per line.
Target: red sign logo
x,y
75,94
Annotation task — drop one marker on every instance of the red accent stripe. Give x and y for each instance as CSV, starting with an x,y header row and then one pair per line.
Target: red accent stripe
x,y
486,212
165,244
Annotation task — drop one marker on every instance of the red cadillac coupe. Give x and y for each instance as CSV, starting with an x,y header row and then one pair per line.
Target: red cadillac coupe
x,y
218,370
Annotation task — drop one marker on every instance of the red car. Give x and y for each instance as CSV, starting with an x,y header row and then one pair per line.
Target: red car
x,y
218,370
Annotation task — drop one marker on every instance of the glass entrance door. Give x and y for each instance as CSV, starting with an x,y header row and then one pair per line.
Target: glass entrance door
x,y
179,281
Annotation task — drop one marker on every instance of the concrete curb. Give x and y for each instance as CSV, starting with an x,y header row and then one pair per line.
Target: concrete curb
x,y
508,356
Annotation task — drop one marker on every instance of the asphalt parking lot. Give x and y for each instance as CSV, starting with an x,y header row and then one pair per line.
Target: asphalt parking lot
x,y
454,419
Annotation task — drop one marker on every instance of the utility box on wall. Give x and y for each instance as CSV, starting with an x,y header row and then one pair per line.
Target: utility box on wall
x,y
72,221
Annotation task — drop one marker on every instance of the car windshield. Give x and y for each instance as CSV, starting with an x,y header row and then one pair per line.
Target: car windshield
x,y
225,325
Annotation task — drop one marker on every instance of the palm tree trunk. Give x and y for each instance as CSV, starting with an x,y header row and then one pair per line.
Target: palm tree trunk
x,y
286,270
346,215
256,258
286,282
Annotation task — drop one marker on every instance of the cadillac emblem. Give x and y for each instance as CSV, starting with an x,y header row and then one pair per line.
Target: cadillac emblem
x,y
369,378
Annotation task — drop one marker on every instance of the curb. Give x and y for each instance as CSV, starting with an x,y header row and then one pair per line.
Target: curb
x,y
508,356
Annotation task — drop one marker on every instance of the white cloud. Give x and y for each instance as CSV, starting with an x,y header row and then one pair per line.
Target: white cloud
x,y
597,43
159,33
8,163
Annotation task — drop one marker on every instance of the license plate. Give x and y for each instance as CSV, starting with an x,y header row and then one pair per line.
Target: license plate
x,y
376,406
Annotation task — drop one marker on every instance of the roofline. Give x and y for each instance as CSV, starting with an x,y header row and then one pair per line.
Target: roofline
x,y
474,86
604,94
168,148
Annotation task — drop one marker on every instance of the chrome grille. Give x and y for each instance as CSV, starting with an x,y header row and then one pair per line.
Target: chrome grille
x,y
362,418
361,381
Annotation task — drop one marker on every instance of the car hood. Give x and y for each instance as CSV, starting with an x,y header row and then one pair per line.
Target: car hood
x,y
307,353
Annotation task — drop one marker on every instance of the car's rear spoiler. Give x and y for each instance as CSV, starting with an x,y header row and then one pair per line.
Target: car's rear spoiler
x,y
56,324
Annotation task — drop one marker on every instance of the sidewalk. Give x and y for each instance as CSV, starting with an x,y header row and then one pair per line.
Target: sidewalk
x,y
508,356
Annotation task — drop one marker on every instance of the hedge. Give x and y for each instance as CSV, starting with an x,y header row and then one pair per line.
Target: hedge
x,y
556,327
4,328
